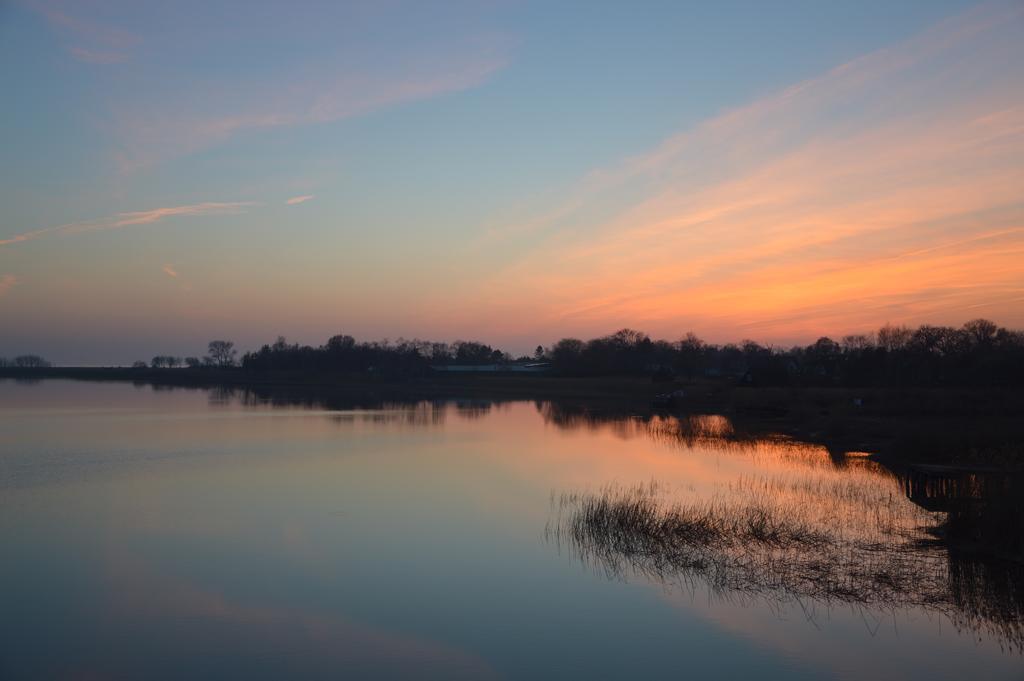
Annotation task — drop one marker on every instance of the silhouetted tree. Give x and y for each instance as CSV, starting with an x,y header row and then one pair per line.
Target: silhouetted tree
x,y
691,354
336,344
893,338
979,353
567,355
222,353
859,342
440,353
823,356
30,362
472,352
981,331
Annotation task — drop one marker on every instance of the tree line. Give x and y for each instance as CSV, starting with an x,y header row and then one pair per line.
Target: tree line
x,y
24,362
978,353
220,353
343,353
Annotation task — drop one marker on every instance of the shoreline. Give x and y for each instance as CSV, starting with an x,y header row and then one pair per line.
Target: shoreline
x,y
949,438
897,425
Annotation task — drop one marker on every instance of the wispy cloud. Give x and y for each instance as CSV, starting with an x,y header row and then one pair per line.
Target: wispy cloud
x,y
349,60
7,282
128,219
152,134
86,40
888,188
170,271
299,199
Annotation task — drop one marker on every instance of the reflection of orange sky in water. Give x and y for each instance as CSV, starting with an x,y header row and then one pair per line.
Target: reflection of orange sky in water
x,y
689,460
695,451
686,457
694,458
449,470
535,444
851,498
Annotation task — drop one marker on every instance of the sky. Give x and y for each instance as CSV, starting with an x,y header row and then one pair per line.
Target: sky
x,y
512,172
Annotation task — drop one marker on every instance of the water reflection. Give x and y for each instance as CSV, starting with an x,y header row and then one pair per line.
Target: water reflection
x,y
795,523
797,527
294,641
379,408
351,531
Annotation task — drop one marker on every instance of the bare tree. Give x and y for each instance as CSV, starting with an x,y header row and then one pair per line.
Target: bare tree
x,y
982,331
893,338
857,342
221,353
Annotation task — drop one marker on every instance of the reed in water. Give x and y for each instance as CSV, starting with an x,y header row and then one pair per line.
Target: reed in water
x,y
752,543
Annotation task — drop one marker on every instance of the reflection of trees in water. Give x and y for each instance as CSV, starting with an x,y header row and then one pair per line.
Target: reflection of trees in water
x,y
690,429
417,415
812,527
698,432
384,409
473,409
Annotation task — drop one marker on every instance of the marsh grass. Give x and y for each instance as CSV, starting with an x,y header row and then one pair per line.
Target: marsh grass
x,y
774,541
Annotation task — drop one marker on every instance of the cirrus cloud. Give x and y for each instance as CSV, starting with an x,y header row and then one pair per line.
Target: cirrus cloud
x,y
143,217
87,41
151,135
885,189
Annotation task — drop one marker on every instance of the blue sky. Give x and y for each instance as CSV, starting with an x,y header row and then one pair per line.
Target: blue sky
x,y
419,132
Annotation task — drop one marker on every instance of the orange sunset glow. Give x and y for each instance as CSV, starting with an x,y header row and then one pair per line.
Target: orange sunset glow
x,y
512,339
783,219
878,183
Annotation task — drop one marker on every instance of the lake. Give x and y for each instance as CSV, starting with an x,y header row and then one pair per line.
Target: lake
x,y
214,534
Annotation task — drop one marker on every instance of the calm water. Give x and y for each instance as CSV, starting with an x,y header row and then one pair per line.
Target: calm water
x,y
196,534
